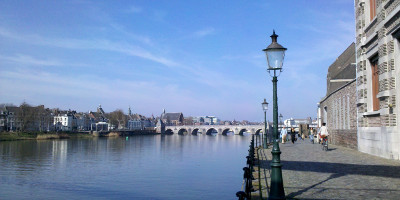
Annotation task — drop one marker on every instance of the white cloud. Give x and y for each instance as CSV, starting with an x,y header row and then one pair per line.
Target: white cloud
x,y
95,44
28,60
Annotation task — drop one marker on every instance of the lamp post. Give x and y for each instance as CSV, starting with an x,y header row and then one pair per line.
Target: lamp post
x,y
265,108
275,54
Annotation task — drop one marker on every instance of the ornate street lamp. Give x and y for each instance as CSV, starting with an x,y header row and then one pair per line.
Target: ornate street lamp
x,y
275,54
265,108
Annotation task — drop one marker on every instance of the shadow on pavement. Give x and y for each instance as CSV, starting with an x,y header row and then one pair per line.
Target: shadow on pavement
x,y
338,170
344,169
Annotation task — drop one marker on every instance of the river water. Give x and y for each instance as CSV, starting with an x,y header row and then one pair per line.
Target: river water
x,y
139,167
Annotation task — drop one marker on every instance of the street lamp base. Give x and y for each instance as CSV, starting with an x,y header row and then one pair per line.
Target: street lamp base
x,y
277,190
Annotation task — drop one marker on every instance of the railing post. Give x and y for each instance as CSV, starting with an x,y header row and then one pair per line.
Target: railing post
x,y
242,195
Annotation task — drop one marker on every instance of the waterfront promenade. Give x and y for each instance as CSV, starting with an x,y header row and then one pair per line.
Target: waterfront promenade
x,y
340,173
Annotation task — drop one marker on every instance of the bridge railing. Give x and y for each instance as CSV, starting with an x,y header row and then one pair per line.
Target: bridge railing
x,y
248,174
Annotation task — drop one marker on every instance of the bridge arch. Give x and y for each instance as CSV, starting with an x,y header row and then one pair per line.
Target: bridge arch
x,y
259,132
196,131
169,132
226,130
242,131
211,131
182,131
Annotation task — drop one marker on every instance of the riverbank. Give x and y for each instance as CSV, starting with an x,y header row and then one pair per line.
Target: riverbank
x,y
11,136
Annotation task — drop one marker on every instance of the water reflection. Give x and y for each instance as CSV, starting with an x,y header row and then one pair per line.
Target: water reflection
x,y
60,150
139,167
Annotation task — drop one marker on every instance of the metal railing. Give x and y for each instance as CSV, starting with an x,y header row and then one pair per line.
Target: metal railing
x,y
248,174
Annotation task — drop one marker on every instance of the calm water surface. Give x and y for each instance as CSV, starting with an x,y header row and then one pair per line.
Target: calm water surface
x,y
142,167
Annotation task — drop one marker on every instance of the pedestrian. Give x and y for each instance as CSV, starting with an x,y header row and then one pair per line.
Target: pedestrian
x,y
311,135
283,134
292,135
299,136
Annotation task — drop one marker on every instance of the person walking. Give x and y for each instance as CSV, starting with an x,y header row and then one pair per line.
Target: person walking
x,y
292,135
311,135
283,134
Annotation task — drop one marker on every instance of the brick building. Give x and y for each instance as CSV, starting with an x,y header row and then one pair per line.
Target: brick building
x,y
338,108
378,56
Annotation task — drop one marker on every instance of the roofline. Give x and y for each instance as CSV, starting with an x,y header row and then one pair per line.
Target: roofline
x,y
323,99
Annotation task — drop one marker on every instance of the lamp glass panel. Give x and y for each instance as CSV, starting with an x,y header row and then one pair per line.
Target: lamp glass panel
x,y
275,58
265,106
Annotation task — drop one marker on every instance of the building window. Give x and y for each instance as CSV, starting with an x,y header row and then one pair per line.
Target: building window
x,y
372,9
375,83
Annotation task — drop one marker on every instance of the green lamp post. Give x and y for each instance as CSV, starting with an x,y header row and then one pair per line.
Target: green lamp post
x,y
275,54
265,108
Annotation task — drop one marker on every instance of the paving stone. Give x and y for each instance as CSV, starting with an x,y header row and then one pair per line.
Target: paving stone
x,y
339,173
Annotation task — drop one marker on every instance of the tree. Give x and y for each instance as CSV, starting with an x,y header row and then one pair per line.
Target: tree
x,y
25,117
117,118
188,121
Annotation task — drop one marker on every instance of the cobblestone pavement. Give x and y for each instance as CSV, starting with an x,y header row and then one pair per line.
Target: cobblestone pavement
x,y
339,173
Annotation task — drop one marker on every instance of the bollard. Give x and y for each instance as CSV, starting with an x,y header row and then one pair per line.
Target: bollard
x,y
242,195
248,177
248,172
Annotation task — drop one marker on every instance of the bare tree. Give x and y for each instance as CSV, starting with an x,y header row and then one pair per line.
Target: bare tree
x,y
188,121
117,118
25,116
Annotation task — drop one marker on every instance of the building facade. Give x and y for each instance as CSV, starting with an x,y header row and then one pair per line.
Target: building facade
x,y
64,121
172,119
98,120
338,108
378,57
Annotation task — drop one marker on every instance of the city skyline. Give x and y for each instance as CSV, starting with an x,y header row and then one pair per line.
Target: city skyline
x,y
198,58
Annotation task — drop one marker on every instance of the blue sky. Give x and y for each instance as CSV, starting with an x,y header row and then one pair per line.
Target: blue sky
x,y
196,57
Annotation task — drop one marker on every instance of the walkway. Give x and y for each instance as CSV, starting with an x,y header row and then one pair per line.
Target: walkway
x,y
340,173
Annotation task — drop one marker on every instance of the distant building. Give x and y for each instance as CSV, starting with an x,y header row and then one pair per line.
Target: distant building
x,y
140,122
211,120
160,126
3,118
98,120
289,122
198,120
172,119
136,122
296,122
25,118
303,121
64,121
378,74
208,120
13,122
227,123
82,121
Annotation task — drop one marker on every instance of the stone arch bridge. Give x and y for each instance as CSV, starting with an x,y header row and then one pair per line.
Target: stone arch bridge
x,y
214,129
